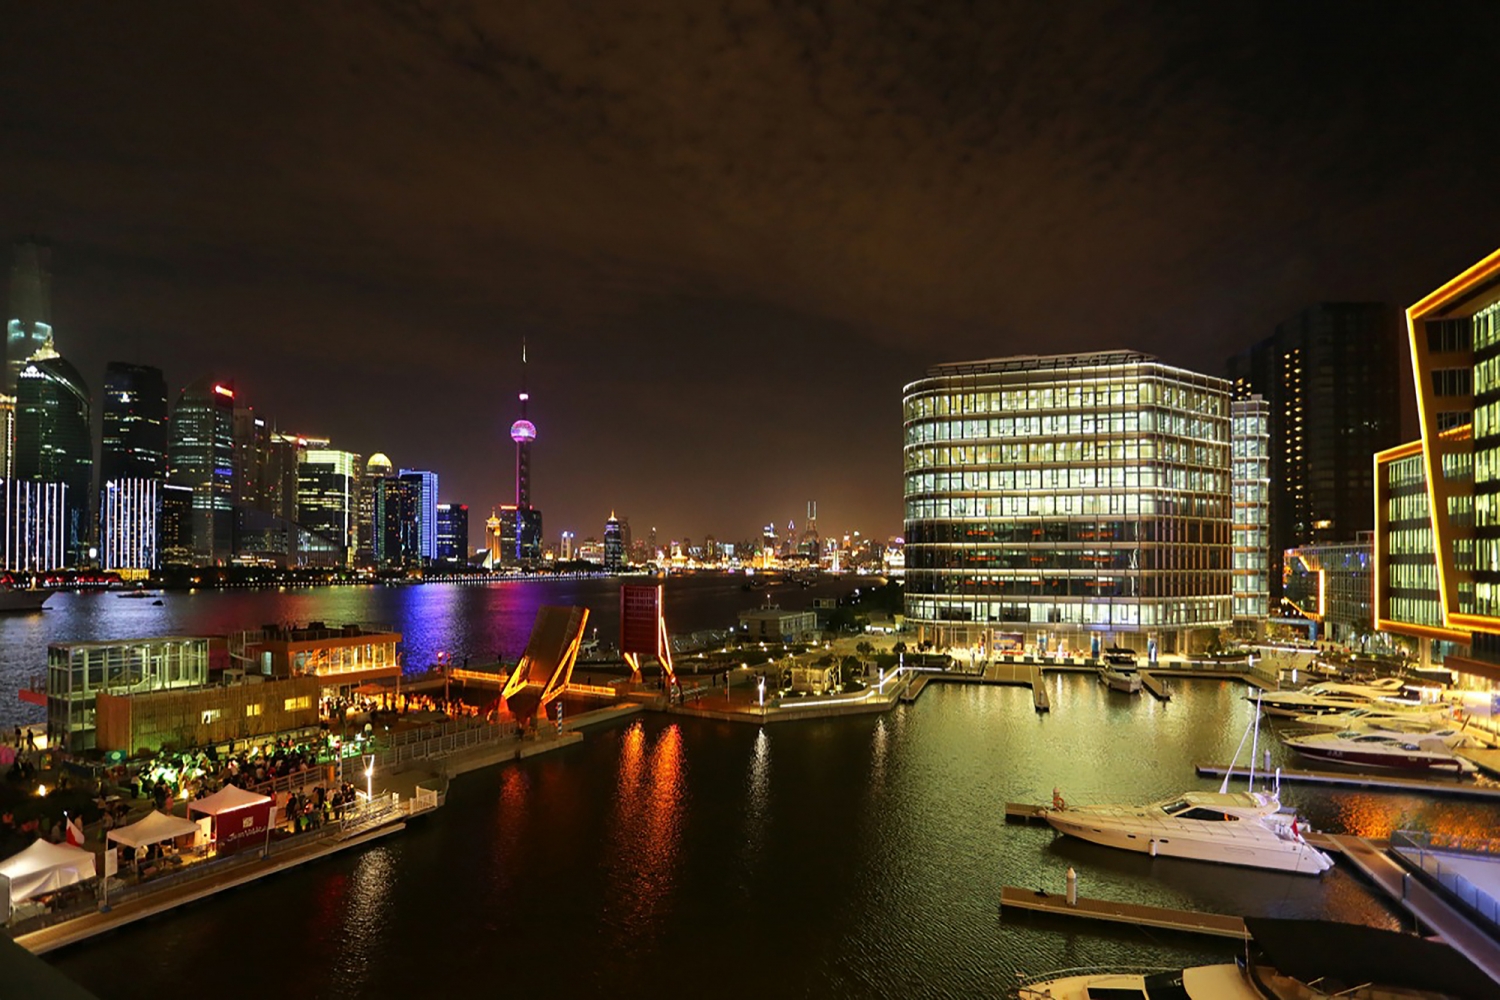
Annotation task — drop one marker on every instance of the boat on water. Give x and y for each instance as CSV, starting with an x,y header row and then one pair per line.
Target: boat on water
x,y
22,599
1289,960
1232,828
1382,715
1120,672
1432,751
1326,697
1248,828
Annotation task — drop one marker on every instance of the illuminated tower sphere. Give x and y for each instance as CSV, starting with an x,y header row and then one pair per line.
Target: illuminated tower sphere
x,y
523,432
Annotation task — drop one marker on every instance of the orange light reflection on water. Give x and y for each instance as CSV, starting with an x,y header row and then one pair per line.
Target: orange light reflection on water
x,y
648,824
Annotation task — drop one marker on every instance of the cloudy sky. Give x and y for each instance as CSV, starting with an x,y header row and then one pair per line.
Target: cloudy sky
x,y
728,231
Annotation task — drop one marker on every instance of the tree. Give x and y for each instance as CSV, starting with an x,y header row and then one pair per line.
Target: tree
x,y
851,671
864,648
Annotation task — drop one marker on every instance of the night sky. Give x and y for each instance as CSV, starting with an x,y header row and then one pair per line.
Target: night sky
x,y
729,231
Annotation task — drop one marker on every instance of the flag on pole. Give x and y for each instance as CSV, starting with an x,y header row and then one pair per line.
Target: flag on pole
x,y
75,832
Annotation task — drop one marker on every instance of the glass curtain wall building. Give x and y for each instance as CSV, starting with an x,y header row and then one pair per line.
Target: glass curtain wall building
x,y
1249,431
132,467
453,533
200,457
427,526
1067,499
54,443
328,497
1437,509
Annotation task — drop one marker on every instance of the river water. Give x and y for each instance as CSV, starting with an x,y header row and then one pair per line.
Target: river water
x,y
667,856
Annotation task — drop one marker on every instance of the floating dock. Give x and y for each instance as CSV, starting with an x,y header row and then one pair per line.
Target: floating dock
x,y
1383,782
1187,921
1155,685
1024,812
1039,690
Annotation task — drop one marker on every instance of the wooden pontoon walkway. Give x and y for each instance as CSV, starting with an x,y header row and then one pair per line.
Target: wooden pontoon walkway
x,y
1155,685
1388,782
1189,921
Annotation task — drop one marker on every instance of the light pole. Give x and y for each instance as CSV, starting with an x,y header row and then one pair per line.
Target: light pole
x,y
369,779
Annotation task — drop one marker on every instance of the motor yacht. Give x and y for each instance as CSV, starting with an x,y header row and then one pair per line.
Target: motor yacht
x,y
1289,960
21,599
1119,671
1326,697
1388,749
1233,828
1382,715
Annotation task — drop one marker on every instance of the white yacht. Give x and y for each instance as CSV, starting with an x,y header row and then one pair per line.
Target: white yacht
x,y
1119,671
1289,960
1386,749
1234,828
1382,715
1327,697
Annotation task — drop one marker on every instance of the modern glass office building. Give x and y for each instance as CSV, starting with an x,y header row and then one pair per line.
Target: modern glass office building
x,y
453,533
1249,432
54,442
328,496
200,456
1331,585
427,526
1067,499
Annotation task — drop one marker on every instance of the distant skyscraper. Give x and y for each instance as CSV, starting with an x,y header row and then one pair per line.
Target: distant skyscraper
x,y
7,434
54,441
378,467
453,533
132,467
614,545
1331,375
397,543
200,456
135,423
175,529
565,546
328,496
427,504
28,325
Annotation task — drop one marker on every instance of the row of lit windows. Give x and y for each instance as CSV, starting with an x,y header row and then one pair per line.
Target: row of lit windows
x,y
1486,327
1035,452
1416,611
1252,605
1062,478
1411,541
1204,611
1411,507
1412,576
1038,559
1196,583
1068,425
1065,397
1408,471
1066,505
1252,551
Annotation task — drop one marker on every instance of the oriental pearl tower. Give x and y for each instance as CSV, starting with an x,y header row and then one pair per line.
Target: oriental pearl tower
x,y
528,520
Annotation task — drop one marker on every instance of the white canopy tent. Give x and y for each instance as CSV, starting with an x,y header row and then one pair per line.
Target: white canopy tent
x,y
153,828
45,867
228,798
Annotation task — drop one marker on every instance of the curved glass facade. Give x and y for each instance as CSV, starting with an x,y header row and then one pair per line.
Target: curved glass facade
x,y
1068,494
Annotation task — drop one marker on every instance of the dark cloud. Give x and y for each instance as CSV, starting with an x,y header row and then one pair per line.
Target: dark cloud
x,y
729,231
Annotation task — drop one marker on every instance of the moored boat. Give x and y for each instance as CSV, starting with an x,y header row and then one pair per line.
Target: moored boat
x,y
1119,671
1326,698
1232,828
1387,749
21,599
1290,960
1382,715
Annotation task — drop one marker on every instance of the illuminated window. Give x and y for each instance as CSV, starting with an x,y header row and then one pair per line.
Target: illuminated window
x,y
252,710
293,704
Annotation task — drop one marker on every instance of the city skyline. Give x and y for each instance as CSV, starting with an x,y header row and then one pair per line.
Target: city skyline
x,y
703,255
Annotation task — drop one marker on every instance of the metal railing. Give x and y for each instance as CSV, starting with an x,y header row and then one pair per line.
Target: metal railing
x,y
1434,855
426,744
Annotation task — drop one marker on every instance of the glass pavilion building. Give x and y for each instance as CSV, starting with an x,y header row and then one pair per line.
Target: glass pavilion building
x,y
1067,501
